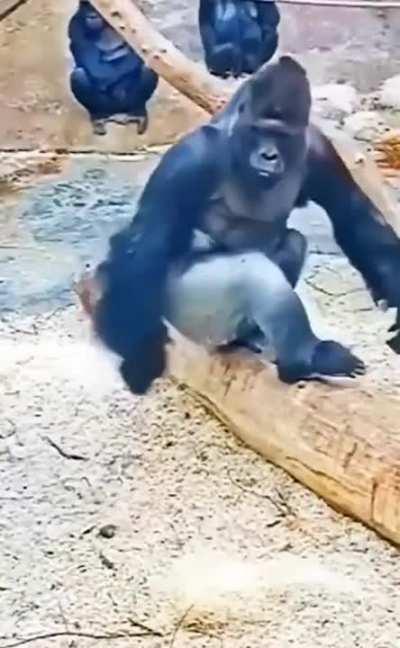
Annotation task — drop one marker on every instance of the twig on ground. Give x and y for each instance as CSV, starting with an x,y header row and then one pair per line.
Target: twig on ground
x,y
330,293
146,632
281,505
67,455
178,626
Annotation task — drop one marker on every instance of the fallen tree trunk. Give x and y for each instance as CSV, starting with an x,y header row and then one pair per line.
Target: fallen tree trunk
x,y
211,94
344,444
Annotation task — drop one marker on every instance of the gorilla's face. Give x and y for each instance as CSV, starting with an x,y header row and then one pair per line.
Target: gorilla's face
x,y
94,23
269,139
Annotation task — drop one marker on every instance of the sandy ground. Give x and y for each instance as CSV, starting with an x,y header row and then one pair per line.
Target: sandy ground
x,y
78,453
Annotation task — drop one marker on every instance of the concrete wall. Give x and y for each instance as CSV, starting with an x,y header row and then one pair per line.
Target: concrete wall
x,y
37,110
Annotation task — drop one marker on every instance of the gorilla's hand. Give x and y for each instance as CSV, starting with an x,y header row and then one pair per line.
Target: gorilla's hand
x,y
394,342
368,241
386,291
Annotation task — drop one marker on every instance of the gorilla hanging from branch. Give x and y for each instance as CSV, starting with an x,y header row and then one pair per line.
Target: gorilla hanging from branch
x,y
109,79
238,36
209,249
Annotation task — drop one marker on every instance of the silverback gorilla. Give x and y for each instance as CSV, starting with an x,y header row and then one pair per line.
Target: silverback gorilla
x,y
209,249
109,79
238,36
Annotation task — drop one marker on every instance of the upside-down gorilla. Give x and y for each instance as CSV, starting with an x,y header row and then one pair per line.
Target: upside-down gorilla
x,y
209,249
109,79
238,36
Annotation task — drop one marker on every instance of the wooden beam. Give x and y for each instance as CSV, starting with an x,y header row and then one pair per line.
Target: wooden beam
x,y
342,443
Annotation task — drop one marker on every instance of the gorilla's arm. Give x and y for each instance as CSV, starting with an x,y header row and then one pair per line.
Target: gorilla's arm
x,y
211,31
85,53
129,316
368,241
268,17
207,23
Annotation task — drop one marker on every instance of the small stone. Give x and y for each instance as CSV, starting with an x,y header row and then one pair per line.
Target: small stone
x,y
108,531
365,125
337,97
390,93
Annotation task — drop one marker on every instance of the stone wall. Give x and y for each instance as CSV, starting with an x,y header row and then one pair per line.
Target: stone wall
x,y
38,111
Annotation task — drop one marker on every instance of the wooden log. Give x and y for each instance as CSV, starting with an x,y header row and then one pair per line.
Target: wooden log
x,y
342,443
211,94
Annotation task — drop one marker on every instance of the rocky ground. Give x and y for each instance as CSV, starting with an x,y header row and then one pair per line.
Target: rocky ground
x,y
101,494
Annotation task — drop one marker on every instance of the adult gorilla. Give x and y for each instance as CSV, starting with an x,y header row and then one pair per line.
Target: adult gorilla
x,y
209,248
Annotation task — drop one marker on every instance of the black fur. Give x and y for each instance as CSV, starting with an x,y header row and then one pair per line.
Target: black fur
x,y
238,36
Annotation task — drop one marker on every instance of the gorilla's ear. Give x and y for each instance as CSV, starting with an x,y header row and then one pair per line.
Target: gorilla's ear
x,y
290,64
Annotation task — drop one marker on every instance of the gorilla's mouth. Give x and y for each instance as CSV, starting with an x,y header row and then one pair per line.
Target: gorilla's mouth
x,y
271,176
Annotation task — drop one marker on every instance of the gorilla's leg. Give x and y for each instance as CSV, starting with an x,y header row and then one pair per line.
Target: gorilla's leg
x,y
215,296
270,45
291,255
149,83
95,102
146,87
131,95
251,52
222,61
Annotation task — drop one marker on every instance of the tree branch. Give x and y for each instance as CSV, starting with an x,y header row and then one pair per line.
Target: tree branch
x,y
9,6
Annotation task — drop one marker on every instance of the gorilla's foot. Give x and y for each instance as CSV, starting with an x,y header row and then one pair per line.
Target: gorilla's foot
x,y
394,342
99,126
331,359
142,123
123,119
330,362
241,343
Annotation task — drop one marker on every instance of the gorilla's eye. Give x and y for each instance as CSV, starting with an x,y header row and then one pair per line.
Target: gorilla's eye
x,y
276,112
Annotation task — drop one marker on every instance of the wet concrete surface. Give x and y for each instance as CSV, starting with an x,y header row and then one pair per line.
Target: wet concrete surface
x,y
50,231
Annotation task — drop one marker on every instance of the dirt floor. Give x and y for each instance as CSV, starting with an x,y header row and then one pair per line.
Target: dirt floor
x,y
101,494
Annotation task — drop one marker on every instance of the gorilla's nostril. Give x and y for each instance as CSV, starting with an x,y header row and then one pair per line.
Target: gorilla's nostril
x,y
269,156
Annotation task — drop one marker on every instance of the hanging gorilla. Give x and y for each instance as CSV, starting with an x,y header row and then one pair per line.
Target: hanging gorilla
x,y
109,79
238,36
209,249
